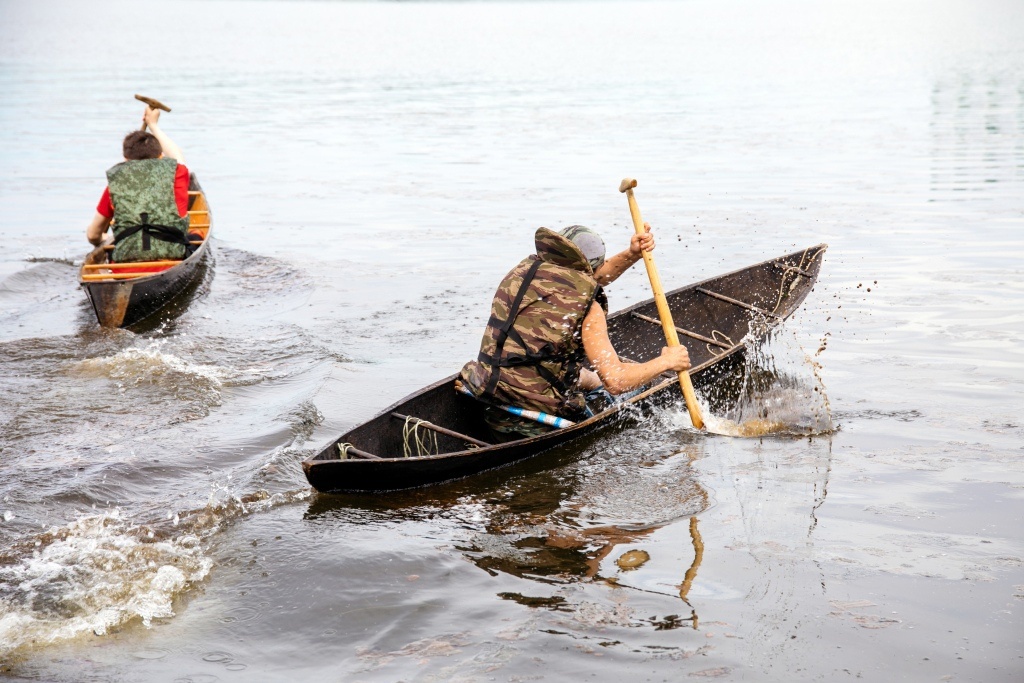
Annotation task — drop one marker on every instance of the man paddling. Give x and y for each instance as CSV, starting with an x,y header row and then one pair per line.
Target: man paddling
x,y
146,198
547,319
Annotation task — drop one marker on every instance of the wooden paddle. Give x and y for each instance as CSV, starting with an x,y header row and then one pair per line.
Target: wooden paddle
x,y
155,104
664,313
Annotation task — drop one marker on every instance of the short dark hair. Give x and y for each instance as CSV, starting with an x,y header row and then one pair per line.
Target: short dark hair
x,y
141,145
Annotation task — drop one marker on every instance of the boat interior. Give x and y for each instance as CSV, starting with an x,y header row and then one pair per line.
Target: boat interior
x,y
97,266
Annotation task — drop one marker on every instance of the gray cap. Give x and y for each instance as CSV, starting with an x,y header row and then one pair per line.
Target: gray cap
x,y
587,241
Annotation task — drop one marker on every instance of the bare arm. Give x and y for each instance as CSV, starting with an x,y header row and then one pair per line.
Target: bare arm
x,y
612,268
619,377
171,150
98,226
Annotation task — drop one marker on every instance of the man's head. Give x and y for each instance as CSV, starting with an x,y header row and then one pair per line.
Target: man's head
x,y
588,242
141,145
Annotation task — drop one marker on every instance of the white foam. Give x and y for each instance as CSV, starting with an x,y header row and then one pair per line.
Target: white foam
x,y
150,364
95,574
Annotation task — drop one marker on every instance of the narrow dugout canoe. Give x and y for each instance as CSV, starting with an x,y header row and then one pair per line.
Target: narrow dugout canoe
x,y
713,317
123,294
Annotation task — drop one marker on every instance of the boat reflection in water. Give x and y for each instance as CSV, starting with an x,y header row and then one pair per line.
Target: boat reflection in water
x,y
561,520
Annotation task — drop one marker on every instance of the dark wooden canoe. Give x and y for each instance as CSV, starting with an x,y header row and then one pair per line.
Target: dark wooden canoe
x,y
127,293
714,318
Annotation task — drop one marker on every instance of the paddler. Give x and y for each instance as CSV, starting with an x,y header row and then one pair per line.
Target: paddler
x,y
548,318
146,198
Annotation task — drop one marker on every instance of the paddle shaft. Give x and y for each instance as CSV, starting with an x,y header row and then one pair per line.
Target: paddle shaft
x,y
665,314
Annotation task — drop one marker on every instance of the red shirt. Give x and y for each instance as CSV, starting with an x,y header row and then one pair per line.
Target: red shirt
x,y
106,207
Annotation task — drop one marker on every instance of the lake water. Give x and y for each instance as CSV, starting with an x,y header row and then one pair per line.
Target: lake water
x,y
374,169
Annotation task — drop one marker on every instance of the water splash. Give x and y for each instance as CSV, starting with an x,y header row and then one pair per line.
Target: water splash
x,y
165,369
101,572
781,392
148,365
95,574
63,260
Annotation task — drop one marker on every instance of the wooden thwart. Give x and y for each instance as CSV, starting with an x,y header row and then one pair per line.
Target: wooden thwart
x,y
350,451
90,277
442,430
680,330
794,269
136,264
737,302
110,247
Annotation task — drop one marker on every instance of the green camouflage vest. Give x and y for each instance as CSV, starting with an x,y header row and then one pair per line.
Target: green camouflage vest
x,y
142,192
532,349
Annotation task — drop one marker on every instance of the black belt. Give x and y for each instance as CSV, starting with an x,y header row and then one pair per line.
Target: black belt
x,y
506,327
148,230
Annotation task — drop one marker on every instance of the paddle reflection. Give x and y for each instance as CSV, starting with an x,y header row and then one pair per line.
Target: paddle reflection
x,y
589,514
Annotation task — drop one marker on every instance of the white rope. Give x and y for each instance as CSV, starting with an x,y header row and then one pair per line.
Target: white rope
x,y
715,351
411,428
343,449
786,270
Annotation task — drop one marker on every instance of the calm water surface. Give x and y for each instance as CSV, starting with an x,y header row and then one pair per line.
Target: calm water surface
x,y
374,168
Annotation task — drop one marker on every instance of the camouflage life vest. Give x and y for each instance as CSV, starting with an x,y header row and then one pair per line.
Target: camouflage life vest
x,y
147,225
532,350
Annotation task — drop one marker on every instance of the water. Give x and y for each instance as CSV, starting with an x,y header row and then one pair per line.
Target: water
x,y
373,169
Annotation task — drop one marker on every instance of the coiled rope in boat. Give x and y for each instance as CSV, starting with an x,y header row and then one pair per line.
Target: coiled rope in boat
x,y
421,438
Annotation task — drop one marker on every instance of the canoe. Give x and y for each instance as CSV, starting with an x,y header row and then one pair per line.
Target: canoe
x,y
715,318
123,294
